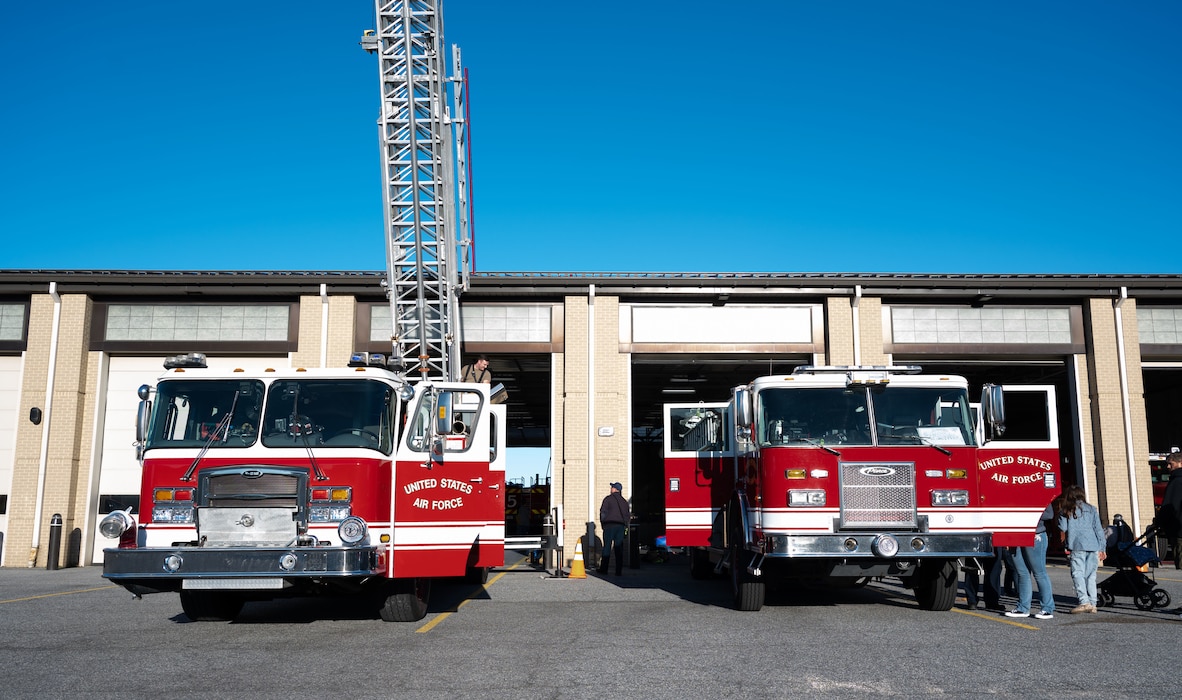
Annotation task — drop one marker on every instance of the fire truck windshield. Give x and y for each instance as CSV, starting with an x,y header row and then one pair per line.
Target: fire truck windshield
x,y
920,415
843,416
330,413
193,413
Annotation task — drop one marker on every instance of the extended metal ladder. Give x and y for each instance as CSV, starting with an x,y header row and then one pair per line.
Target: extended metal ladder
x,y
424,176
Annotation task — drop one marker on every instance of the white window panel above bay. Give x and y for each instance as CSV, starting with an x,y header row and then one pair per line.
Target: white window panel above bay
x,y
12,321
208,322
1158,325
722,324
483,323
998,325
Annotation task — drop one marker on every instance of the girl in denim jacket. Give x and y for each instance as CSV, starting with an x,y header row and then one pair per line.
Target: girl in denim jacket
x,y
1085,542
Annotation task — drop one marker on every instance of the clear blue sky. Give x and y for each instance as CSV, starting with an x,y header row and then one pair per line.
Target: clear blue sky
x,y
770,135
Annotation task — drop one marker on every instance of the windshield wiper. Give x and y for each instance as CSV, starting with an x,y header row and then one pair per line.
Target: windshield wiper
x,y
221,429
908,437
929,443
815,443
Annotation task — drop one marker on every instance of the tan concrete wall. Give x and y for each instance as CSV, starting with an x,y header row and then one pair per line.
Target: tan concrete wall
x,y
1114,488
67,454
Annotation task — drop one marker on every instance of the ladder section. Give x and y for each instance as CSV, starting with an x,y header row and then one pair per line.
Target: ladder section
x,y
419,143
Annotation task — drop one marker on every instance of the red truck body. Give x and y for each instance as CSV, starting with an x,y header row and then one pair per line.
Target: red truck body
x,y
850,473
294,482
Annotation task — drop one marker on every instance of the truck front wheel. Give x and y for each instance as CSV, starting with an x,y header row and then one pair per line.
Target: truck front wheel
x,y
406,600
210,606
749,592
935,584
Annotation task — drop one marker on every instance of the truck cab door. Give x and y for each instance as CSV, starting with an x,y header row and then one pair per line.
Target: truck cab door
x,y
445,488
492,535
1018,470
699,470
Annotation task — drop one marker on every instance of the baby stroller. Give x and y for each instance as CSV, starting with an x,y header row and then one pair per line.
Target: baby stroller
x,y
1133,577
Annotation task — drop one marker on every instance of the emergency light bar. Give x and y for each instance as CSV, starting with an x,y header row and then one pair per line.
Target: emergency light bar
x,y
367,359
845,369
192,359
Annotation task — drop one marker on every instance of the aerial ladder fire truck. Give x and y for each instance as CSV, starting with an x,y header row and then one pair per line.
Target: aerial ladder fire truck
x,y
371,480
847,474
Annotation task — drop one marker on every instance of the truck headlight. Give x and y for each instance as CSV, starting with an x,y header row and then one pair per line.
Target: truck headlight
x,y
798,498
950,498
352,530
116,524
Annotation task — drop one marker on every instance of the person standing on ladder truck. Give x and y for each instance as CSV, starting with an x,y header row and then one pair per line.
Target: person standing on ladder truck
x,y
477,372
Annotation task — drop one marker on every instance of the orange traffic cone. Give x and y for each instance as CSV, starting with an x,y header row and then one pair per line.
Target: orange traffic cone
x,y
576,566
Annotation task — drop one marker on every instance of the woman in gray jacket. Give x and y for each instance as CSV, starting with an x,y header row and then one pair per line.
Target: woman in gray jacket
x,y
1085,542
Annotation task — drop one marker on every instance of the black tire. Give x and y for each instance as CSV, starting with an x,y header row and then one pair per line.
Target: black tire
x,y
1161,598
1104,599
935,587
477,575
406,600
749,592
700,566
1143,601
210,606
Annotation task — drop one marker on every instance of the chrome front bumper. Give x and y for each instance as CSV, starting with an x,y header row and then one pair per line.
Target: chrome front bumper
x,y
161,569
878,545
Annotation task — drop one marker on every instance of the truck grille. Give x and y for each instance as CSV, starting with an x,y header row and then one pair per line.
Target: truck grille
x,y
878,494
268,490
257,506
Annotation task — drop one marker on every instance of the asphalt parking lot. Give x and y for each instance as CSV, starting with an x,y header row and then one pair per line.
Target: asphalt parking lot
x,y
653,631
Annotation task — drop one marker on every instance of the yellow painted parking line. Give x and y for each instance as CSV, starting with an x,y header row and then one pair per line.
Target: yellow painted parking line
x,y
997,618
444,615
50,595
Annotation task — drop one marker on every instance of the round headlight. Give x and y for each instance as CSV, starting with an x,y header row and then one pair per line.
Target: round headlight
x,y
116,524
885,546
352,530
172,563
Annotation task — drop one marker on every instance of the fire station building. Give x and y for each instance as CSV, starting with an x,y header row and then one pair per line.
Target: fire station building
x,y
588,360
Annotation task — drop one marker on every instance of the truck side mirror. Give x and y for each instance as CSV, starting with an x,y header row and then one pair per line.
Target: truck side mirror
x,y
993,410
143,413
743,412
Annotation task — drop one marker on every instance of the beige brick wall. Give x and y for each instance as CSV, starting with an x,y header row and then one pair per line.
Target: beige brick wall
x,y
67,458
341,316
870,331
573,431
341,310
839,331
1113,485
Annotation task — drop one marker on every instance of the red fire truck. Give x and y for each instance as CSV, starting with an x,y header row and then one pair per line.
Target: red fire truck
x,y
294,482
851,473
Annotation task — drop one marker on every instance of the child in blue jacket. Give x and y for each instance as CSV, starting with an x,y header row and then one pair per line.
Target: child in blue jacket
x,y
1085,543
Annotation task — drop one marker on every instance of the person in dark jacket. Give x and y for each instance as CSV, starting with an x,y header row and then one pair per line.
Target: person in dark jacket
x,y
1168,520
614,515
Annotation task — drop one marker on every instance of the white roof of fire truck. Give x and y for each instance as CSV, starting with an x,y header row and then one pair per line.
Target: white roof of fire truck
x,y
849,375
